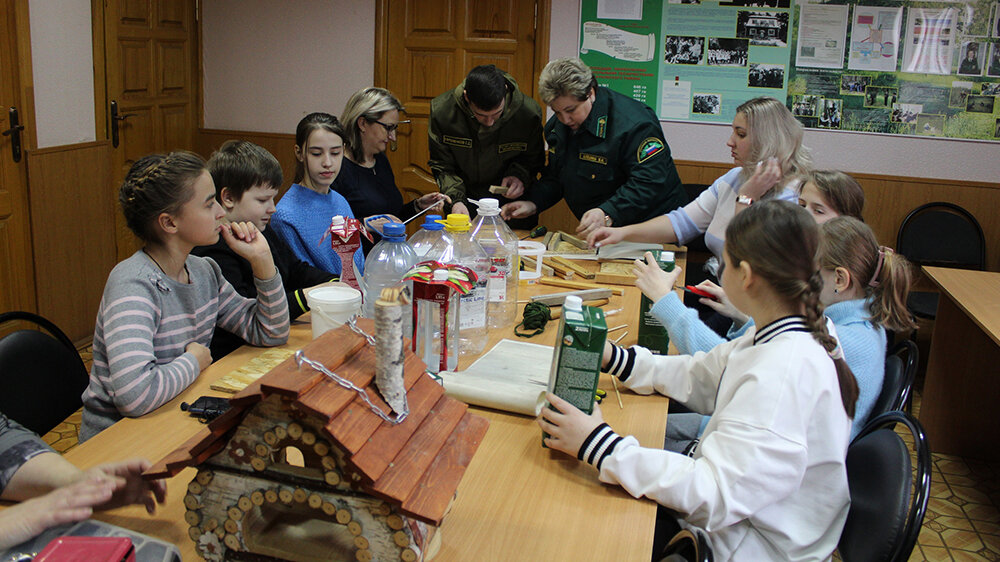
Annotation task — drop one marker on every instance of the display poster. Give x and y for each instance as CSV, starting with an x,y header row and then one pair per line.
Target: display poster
x,y
926,68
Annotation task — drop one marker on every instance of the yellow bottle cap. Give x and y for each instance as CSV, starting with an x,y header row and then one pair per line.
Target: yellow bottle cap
x,y
456,222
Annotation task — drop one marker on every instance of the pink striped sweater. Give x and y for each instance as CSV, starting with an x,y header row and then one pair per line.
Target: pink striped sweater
x,y
145,321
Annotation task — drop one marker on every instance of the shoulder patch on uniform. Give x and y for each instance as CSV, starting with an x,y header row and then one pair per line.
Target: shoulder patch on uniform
x,y
602,126
596,158
510,146
648,149
457,141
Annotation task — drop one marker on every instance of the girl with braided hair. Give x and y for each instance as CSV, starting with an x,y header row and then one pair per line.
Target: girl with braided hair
x,y
768,479
161,305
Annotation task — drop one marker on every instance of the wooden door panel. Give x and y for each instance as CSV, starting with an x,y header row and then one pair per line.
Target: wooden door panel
x,y
431,17
475,59
137,135
174,68
135,65
493,19
133,13
173,14
172,121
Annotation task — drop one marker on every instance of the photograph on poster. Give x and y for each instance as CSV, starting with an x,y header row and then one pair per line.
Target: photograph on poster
x,y
996,21
906,112
959,92
805,106
928,124
972,55
853,84
994,67
758,3
830,113
929,40
706,104
990,89
766,29
980,104
683,50
875,38
821,37
996,130
766,76
725,51
880,97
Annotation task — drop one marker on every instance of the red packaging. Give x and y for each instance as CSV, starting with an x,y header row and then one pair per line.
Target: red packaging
x,y
88,549
345,239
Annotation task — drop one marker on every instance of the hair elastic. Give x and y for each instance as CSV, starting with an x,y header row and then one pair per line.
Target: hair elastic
x,y
878,267
836,353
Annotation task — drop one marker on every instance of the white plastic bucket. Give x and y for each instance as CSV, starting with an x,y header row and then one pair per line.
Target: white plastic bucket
x,y
332,307
533,250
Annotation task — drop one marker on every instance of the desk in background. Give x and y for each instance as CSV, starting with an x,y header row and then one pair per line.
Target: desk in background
x,y
517,500
962,384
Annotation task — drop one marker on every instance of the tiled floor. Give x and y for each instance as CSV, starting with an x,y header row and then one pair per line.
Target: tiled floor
x,y
963,514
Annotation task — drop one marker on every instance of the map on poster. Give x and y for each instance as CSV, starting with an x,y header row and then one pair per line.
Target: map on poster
x,y
927,68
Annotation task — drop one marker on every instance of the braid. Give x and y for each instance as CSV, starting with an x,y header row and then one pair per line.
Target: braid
x,y
158,183
816,322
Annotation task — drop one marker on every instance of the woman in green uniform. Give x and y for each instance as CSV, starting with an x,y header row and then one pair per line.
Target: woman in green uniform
x,y
607,154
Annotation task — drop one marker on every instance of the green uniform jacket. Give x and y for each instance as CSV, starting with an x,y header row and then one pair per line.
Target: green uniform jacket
x,y
618,160
466,163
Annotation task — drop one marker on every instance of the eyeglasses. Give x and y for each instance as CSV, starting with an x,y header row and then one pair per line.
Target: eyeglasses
x,y
390,129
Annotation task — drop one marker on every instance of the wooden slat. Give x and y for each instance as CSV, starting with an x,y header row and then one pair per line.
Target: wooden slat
x,y
582,272
615,279
327,398
554,282
387,440
402,476
248,396
330,349
227,420
357,423
430,499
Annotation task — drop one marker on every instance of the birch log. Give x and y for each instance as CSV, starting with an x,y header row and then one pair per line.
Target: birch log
x,y
389,309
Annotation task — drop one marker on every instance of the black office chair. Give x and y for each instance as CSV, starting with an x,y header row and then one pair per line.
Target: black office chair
x,y
885,518
900,372
688,546
41,374
939,234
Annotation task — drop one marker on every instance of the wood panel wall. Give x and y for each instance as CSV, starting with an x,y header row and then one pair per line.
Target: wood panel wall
x,y
72,203
889,198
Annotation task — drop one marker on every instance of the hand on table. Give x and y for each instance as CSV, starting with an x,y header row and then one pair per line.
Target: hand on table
x,y
653,281
568,427
128,485
515,186
201,353
74,502
517,210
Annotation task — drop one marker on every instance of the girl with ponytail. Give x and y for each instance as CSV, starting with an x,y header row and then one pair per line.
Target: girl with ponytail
x,y
768,479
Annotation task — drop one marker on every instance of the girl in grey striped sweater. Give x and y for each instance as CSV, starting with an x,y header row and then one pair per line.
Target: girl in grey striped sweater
x,y
161,305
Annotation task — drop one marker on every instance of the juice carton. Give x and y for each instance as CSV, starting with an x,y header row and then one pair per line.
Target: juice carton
x,y
345,239
576,360
652,334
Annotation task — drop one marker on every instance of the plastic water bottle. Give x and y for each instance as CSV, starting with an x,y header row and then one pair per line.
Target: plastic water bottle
x,y
500,244
428,235
459,248
387,263
427,340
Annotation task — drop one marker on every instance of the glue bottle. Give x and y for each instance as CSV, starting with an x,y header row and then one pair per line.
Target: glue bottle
x,y
500,244
459,248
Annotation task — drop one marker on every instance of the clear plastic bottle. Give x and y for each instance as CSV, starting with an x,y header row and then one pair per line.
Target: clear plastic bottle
x,y
387,263
428,337
459,248
500,244
428,235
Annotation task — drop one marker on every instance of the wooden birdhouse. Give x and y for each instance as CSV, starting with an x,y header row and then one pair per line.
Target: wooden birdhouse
x,y
302,467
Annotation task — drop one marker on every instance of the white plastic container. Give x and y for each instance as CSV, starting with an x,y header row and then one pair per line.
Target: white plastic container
x,y
332,306
459,248
535,251
385,266
500,244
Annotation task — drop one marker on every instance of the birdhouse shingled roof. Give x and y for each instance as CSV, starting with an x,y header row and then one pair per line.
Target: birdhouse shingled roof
x,y
416,464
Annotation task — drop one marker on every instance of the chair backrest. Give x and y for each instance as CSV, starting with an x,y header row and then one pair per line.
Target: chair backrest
x,y
942,234
900,371
885,518
41,374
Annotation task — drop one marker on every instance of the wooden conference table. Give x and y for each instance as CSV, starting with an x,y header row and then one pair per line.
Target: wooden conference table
x,y
962,384
517,501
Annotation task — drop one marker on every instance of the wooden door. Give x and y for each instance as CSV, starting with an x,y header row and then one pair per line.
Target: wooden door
x,y
426,47
151,72
17,278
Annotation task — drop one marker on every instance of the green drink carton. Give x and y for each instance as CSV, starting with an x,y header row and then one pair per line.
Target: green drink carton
x,y
652,334
576,359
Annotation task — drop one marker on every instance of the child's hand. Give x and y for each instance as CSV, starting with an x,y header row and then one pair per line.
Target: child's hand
x,y
250,244
568,427
721,303
653,281
201,353
606,356
604,236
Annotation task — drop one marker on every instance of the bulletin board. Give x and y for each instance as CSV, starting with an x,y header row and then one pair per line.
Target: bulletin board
x,y
905,68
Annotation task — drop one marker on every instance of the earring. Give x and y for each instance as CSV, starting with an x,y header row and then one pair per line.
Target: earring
x,y
835,291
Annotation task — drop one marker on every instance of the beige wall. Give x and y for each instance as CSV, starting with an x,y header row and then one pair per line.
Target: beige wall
x,y
62,61
267,63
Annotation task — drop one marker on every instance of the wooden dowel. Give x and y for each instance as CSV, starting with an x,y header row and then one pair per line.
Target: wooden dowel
x,y
579,285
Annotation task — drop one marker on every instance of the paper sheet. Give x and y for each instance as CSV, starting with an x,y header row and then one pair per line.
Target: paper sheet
x,y
512,376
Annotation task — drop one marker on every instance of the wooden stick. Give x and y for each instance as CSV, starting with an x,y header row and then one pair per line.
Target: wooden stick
x,y
616,328
529,265
558,298
614,279
579,285
621,337
618,395
562,271
574,267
